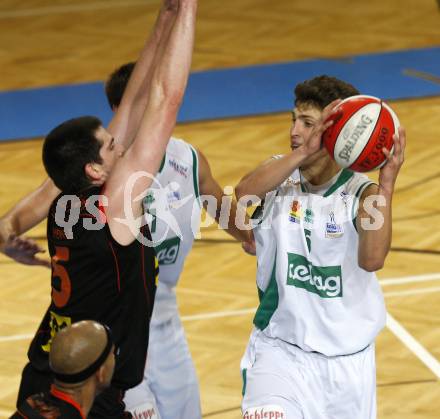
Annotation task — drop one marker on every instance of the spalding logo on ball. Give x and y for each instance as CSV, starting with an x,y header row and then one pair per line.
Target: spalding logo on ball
x,y
362,126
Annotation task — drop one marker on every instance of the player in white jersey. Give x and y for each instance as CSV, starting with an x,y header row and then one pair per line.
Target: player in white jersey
x,y
170,384
320,235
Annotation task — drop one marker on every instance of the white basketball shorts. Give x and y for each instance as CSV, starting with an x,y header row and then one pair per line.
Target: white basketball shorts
x,y
281,380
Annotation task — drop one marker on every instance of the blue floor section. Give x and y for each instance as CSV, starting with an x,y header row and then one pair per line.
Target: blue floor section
x,y
232,92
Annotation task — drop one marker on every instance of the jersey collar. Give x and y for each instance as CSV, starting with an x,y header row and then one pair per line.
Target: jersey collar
x,y
343,177
65,397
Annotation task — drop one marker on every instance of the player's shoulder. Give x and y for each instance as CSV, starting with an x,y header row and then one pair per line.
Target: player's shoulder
x,y
181,150
357,183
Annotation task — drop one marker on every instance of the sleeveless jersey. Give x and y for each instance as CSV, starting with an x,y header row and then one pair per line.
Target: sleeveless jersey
x,y
313,293
96,278
173,209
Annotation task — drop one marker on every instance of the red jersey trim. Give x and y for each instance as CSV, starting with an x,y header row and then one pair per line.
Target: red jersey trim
x,y
63,396
116,264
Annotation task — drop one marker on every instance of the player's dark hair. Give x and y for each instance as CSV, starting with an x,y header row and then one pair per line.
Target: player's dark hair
x,y
322,90
116,84
68,148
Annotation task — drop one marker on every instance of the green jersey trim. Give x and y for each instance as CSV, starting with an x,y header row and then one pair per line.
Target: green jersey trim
x,y
243,374
357,196
344,177
195,173
268,301
162,163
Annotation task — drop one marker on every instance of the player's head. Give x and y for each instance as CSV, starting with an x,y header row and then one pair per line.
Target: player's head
x,y
311,97
79,153
322,90
116,84
83,353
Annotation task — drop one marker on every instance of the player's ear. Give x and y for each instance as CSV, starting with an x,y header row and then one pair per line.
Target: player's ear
x,y
100,374
93,170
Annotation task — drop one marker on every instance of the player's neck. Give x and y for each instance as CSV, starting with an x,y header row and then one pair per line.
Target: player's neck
x,y
321,171
83,396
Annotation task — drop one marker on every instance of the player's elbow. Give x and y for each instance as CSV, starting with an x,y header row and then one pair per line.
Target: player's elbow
x,y
240,191
371,264
166,97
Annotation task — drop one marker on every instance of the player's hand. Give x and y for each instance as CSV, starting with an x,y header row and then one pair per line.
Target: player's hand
x,y
313,143
249,245
388,173
171,5
25,251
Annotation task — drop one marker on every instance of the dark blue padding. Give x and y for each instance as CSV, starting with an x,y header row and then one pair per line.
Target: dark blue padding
x,y
231,92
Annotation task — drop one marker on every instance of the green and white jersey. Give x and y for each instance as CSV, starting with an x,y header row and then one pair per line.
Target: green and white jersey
x,y
313,293
173,210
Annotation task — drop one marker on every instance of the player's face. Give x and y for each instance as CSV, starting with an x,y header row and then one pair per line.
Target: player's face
x,y
110,151
304,119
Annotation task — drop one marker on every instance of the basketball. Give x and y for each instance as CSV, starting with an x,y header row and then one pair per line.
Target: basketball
x,y
360,130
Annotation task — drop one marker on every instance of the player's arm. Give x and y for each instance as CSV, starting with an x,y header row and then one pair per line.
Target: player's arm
x,y
269,175
272,173
27,213
209,186
165,96
126,120
374,219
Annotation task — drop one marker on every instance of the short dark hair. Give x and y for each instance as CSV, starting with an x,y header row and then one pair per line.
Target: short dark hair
x,y
322,90
68,148
116,84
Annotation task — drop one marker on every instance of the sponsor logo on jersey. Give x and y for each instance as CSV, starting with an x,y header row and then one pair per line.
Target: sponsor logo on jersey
x,y
325,281
149,198
173,198
295,212
333,229
308,218
144,411
167,251
179,168
265,412
56,323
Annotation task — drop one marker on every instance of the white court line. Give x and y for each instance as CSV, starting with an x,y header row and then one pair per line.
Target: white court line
x,y
409,279
15,337
426,290
219,314
71,8
216,314
415,347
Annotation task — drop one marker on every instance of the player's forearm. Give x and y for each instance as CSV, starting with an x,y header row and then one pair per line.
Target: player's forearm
x,y
234,228
28,212
269,176
375,231
127,120
167,89
171,74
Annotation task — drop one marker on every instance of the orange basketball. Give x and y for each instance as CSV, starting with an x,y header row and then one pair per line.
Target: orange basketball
x,y
363,126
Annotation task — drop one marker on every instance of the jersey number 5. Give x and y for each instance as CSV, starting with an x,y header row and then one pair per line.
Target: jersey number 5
x,y
61,296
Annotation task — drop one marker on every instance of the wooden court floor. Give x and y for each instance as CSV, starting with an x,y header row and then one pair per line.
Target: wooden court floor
x,y
46,42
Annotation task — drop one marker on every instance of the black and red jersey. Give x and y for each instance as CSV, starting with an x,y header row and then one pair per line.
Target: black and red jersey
x,y
96,278
53,405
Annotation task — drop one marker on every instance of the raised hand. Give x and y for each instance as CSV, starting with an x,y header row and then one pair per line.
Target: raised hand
x,y
388,173
25,251
314,142
171,4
